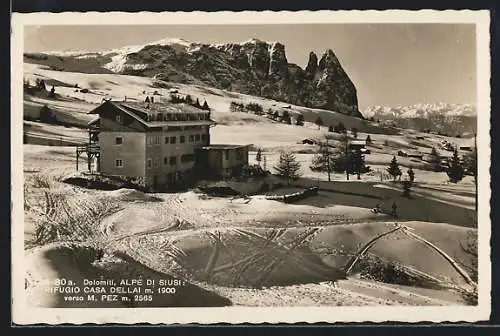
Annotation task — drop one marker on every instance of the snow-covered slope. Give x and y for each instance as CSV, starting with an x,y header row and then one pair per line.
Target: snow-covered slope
x,y
136,88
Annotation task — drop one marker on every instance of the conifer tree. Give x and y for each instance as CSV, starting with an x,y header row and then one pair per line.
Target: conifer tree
x,y
205,106
42,85
368,140
288,167
341,127
411,175
323,160
435,160
455,170
300,120
276,115
258,156
233,107
197,103
470,164
393,168
356,163
286,118
52,92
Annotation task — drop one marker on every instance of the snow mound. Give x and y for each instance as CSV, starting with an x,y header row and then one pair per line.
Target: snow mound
x,y
132,195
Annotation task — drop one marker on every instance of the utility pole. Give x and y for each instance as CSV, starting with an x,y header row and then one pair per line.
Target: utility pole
x,y
346,138
328,159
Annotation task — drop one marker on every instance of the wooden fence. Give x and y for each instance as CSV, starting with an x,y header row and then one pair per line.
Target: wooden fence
x,y
290,198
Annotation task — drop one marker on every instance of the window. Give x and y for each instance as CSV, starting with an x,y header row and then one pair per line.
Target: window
x,y
197,137
203,137
173,160
187,158
226,154
165,160
157,140
118,118
119,163
118,140
150,163
156,163
173,140
150,140
182,139
191,138
166,140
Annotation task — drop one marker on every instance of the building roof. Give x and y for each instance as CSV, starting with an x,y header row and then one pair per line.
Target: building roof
x,y
160,107
141,114
93,121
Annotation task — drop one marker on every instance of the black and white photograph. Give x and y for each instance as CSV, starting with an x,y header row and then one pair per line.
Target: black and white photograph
x,y
274,167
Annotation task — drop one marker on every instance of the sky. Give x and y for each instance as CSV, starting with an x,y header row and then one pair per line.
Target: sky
x,y
390,64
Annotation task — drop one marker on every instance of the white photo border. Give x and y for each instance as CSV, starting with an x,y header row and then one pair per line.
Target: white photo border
x,y
23,314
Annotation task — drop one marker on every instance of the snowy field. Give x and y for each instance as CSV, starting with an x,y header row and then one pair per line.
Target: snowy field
x,y
248,251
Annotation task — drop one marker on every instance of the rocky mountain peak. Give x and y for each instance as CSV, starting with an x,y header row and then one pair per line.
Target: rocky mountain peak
x,y
328,60
278,64
252,67
312,65
254,40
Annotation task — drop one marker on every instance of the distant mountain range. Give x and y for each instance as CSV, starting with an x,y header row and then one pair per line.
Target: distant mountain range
x,y
252,67
451,119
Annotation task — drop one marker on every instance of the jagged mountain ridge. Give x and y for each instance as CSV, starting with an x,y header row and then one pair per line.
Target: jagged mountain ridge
x,y
452,119
253,67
